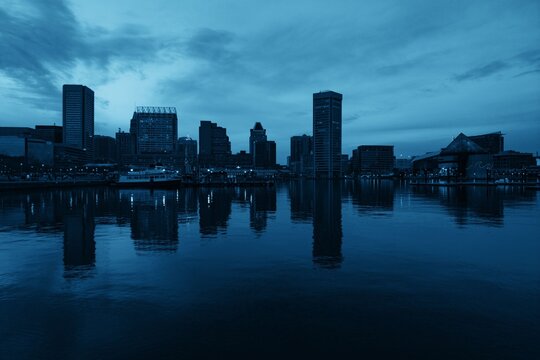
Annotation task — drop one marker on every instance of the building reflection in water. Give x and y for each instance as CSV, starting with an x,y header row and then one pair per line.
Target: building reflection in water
x,y
301,200
478,205
153,218
262,202
214,210
373,197
79,243
327,227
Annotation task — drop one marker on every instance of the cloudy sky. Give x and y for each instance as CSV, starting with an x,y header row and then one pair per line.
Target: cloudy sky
x,y
413,73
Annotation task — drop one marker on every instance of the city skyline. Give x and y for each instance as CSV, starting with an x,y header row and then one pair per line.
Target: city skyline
x,y
413,76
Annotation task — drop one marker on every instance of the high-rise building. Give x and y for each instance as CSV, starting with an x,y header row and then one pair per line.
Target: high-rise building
x,y
214,145
327,134
264,154
301,158
187,151
258,133
155,130
78,117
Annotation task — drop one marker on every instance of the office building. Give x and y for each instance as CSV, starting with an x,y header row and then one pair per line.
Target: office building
x,y
125,146
327,134
105,149
264,154
78,117
155,130
374,160
214,145
50,133
187,152
301,157
258,133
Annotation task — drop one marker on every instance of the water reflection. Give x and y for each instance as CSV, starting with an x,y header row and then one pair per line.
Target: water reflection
x,y
301,200
262,203
214,210
375,197
77,210
468,205
154,217
327,230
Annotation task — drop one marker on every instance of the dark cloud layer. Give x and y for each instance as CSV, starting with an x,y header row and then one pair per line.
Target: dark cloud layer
x,y
39,49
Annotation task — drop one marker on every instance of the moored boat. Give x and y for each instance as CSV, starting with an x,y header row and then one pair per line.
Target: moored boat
x,y
149,177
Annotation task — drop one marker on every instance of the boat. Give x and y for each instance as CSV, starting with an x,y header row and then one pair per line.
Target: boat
x,y
154,177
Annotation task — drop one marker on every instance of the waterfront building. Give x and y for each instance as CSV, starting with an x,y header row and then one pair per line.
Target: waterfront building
x,y
105,149
52,133
154,132
155,129
187,152
21,146
124,147
327,122
301,158
513,160
465,158
264,154
78,117
242,159
493,143
214,145
374,159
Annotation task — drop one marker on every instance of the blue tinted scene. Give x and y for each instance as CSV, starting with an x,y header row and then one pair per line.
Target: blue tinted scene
x,y
336,269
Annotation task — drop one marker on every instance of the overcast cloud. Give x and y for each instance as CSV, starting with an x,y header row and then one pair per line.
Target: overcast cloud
x,y
413,73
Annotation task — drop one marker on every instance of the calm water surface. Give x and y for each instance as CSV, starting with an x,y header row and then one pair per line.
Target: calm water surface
x,y
303,269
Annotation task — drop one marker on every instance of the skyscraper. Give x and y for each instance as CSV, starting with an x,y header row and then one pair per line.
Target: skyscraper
x,y
258,133
78,116
214,144
327,134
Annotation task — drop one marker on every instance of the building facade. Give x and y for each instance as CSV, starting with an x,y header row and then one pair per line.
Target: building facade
x,y
214,145
493,143
374,159
78,117
104,149
187,152
301,158
258,133
327,108
155,130
264,154
50,133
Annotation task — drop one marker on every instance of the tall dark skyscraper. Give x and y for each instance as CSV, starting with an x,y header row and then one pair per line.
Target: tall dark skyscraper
x,y
327,134
155,130
214,144
258,133
78,116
